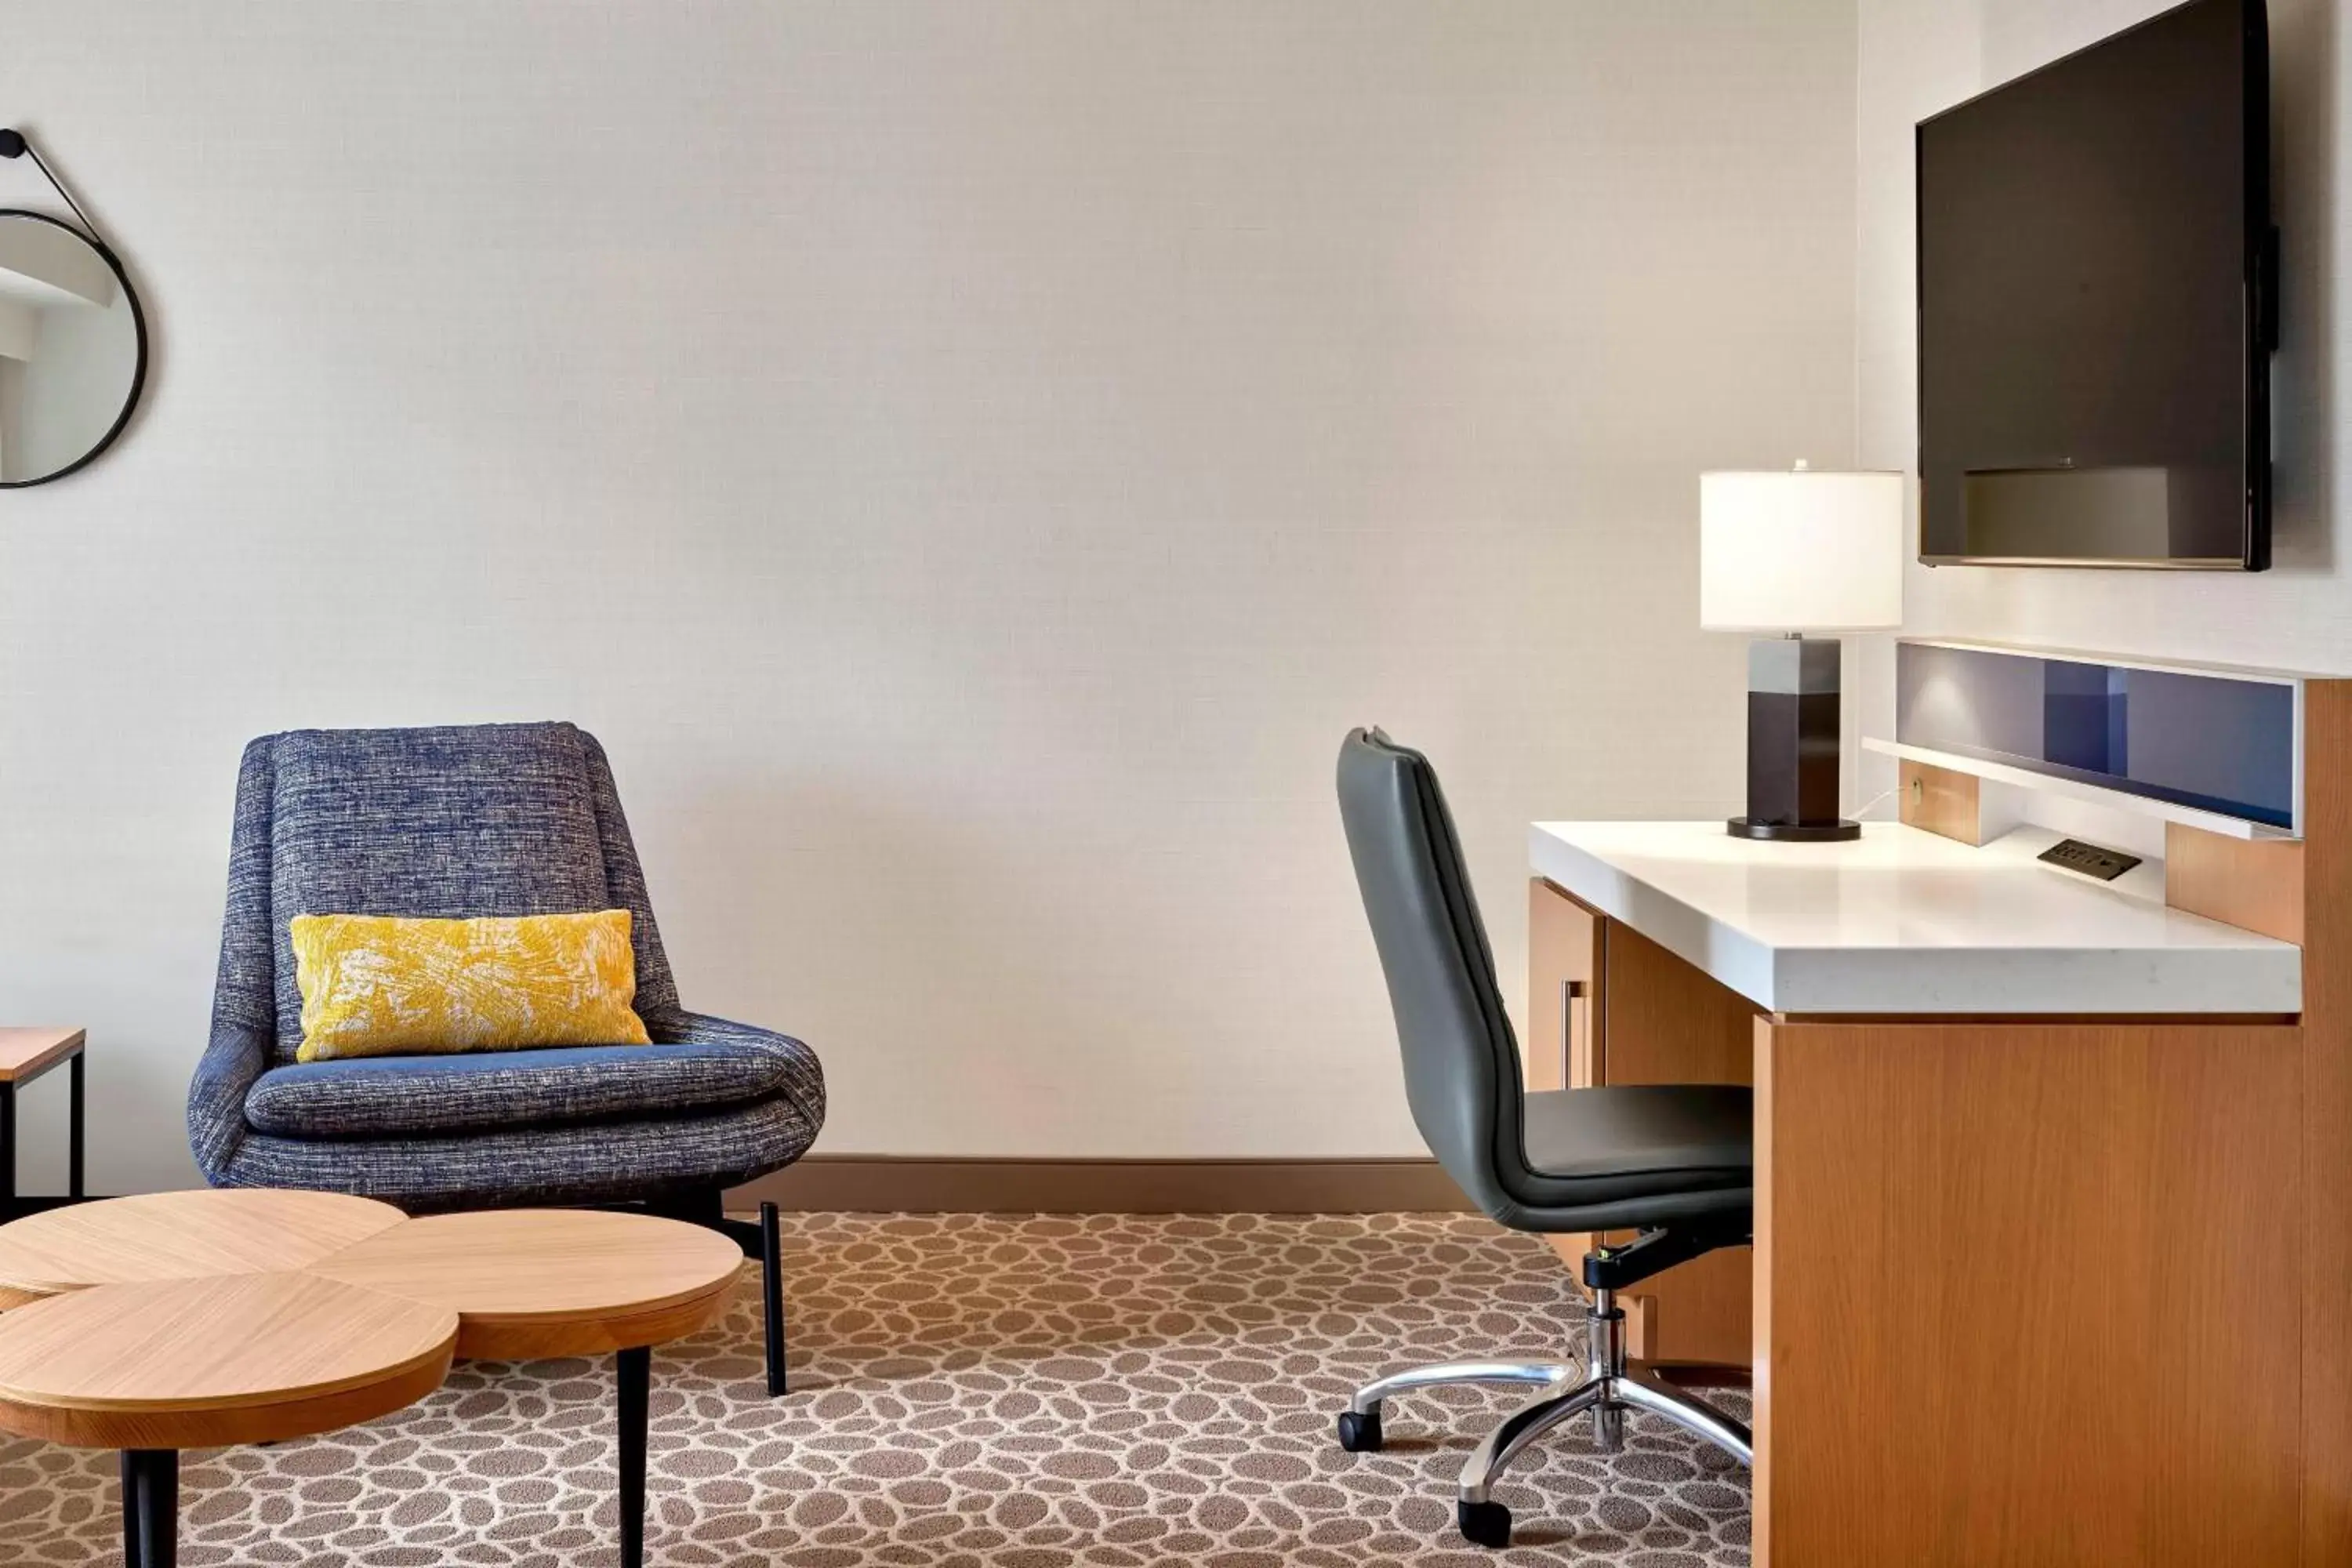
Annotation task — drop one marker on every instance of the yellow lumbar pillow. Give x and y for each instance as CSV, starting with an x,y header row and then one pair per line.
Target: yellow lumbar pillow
x,y
374,985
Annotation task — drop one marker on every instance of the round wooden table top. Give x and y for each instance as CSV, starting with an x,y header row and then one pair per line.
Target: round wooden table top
x,y
180,1236
524,1283
229,1358
548,1282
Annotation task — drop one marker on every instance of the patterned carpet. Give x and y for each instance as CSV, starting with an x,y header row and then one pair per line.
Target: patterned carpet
x,y
1018,1393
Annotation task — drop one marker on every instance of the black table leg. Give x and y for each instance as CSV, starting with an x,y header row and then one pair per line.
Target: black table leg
x,y
130,1510
633,1371
73,1129
151,1477
772,1295
8,1151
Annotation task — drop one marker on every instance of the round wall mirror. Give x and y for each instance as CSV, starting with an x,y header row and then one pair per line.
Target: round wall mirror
x,y
73,349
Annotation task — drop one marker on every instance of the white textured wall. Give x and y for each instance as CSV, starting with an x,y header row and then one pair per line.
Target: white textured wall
x,y
969,461
1917,56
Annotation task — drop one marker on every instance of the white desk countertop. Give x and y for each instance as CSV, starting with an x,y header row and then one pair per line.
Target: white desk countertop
x,y
1905,921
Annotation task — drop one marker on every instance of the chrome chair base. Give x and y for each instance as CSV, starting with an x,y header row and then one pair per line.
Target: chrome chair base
x,y
1606,1387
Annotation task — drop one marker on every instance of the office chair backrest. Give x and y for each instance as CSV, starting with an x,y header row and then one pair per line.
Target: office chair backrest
x,y
1461,1063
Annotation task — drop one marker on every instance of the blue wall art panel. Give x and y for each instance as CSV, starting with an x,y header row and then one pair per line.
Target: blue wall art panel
x,y
2217,742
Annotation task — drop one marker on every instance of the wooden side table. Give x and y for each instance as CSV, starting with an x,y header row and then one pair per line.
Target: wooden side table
x,y
156,1323
25,1055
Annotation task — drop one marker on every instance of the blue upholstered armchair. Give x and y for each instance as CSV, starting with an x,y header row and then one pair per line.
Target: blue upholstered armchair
x,y
494,819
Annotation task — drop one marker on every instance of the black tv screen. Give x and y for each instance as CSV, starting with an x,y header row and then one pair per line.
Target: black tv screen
x,y
2096,295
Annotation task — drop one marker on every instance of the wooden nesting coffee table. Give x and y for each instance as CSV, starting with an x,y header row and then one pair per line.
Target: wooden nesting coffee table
x,y
191,1319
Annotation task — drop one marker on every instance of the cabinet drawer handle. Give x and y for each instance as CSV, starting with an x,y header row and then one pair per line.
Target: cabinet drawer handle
x,y
1571,994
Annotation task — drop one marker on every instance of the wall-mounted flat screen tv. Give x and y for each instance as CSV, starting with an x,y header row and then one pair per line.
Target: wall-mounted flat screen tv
x,y
2098,305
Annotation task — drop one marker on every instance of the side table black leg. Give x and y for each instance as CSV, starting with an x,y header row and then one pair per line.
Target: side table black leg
x,y
771,1296
633,1371
73,1127
130,1509
7,1151
159,1506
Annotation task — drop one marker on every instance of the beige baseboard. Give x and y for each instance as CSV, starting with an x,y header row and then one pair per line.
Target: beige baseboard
x,y
874,1184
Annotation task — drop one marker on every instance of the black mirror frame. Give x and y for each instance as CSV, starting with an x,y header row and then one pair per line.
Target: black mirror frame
x,y
139,370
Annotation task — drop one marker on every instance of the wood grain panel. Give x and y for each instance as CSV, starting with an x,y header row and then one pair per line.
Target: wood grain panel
x,y
1666,1022
1762,1323
2256,883
1669,1022
542,1282
526,1340
26,1053
1941,801
1566,941
184,1363
181,1235
1996,1263
1563,990
272,1423
2323,1244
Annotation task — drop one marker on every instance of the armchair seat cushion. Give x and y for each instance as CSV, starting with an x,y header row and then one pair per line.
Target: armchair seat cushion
x,y
377,1097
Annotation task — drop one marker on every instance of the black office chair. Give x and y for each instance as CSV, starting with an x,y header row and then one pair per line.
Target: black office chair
x,y
1673,1162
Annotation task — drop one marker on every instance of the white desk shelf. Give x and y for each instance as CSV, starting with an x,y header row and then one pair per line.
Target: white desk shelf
x,y
2070,789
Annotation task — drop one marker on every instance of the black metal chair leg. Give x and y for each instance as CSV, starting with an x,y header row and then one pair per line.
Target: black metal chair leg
x,y
157,1472
633,1371
763,1241
772,1296
130,1509
74,1126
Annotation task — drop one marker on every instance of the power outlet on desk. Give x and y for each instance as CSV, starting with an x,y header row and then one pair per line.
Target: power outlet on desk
x,y
2088,859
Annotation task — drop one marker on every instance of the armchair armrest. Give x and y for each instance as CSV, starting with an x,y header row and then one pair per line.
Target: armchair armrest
x,y
803,1075
238,1054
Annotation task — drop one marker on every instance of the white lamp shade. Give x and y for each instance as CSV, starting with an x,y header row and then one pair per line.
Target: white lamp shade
x,y
1800,550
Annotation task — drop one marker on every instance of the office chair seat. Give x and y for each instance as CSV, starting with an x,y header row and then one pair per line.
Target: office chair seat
x,y
1674,1163
1700,1135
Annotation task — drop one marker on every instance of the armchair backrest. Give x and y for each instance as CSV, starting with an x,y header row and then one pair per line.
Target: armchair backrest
x,y
455,821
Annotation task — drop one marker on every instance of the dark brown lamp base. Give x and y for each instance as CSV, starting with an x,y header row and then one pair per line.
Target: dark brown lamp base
x,y
1792,744
1794,832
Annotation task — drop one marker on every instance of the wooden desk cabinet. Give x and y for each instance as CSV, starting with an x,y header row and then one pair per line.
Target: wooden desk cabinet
x,y
2053,1260
2026,1290
2032,1292
2053,1264
1606,1004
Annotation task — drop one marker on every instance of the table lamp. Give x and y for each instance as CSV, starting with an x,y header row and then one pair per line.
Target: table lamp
x,y
1792,552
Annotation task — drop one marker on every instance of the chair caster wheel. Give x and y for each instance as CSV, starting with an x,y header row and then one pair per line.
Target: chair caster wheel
x,y
1360,1434
1484,1524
